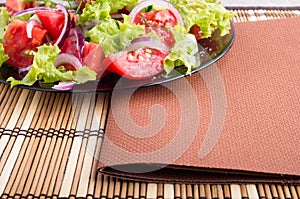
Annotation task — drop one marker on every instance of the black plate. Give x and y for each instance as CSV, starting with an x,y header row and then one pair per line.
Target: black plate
x,y
213,49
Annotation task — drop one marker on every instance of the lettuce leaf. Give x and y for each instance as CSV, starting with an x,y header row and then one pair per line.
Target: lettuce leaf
x,y
4,20
97,11
183,53
43,69
209,15
52,3
3,56
101,9
114,35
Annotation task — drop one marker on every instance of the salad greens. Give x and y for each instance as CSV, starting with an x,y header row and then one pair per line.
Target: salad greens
x,y
114,35
52,3
207,14
95,11
183,53
101,9
4,20
43,68
3,56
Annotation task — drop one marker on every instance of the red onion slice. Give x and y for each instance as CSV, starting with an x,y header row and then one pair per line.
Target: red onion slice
x,y
59,42
162,3
149,43
64,86
65,58
29,26
26,69
77,35
33,10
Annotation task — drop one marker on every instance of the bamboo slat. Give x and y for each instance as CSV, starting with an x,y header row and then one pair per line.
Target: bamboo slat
x,y
50,144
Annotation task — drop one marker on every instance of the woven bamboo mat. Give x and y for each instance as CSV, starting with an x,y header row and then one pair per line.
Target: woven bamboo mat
x,y
50,143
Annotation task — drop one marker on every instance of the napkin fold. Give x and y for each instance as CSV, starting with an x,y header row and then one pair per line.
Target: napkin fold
x,y
238,120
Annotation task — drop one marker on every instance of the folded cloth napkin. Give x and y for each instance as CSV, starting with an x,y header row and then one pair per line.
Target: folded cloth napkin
x,y
238,120
266,4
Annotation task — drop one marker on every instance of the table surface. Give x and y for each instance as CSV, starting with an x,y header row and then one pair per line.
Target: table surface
x,y
50,143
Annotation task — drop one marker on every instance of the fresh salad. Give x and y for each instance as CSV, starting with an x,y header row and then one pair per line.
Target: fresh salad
x,y
76,41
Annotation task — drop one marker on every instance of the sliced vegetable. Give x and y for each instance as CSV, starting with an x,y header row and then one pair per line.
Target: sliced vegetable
x,y
43,69
26,69
29,26
93,55
64,86
18,5
156,18
164,34
141,63
64,58
132,38
65,30
31,11
147,42
18,46
74,43
162,3
57,22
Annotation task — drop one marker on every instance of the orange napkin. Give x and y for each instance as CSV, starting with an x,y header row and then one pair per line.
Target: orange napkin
x,y
235,121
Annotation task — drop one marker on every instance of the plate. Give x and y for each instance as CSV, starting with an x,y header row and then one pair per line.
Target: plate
x,y
212,49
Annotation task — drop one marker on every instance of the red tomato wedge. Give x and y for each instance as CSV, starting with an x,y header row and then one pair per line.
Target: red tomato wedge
x,y
196,30
138,64
156,18
53,21
17,45
69,47
14,6
93,55
157,21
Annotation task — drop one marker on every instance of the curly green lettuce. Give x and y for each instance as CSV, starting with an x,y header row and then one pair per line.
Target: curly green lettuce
x,y
115,36
209,15
43,69
96,11
183,53
101,9
4,20
52,3
3,56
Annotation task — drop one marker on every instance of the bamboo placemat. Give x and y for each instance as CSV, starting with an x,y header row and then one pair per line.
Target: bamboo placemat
x,y
50,144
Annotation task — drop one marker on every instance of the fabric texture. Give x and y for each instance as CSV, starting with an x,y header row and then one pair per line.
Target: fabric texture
x,y
238,120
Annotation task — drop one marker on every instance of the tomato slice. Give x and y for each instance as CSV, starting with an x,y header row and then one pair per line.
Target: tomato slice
x,y
196,30
93,55
138,64
53,21
14,6
156,21
17,45
166,35
69,47
156,18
